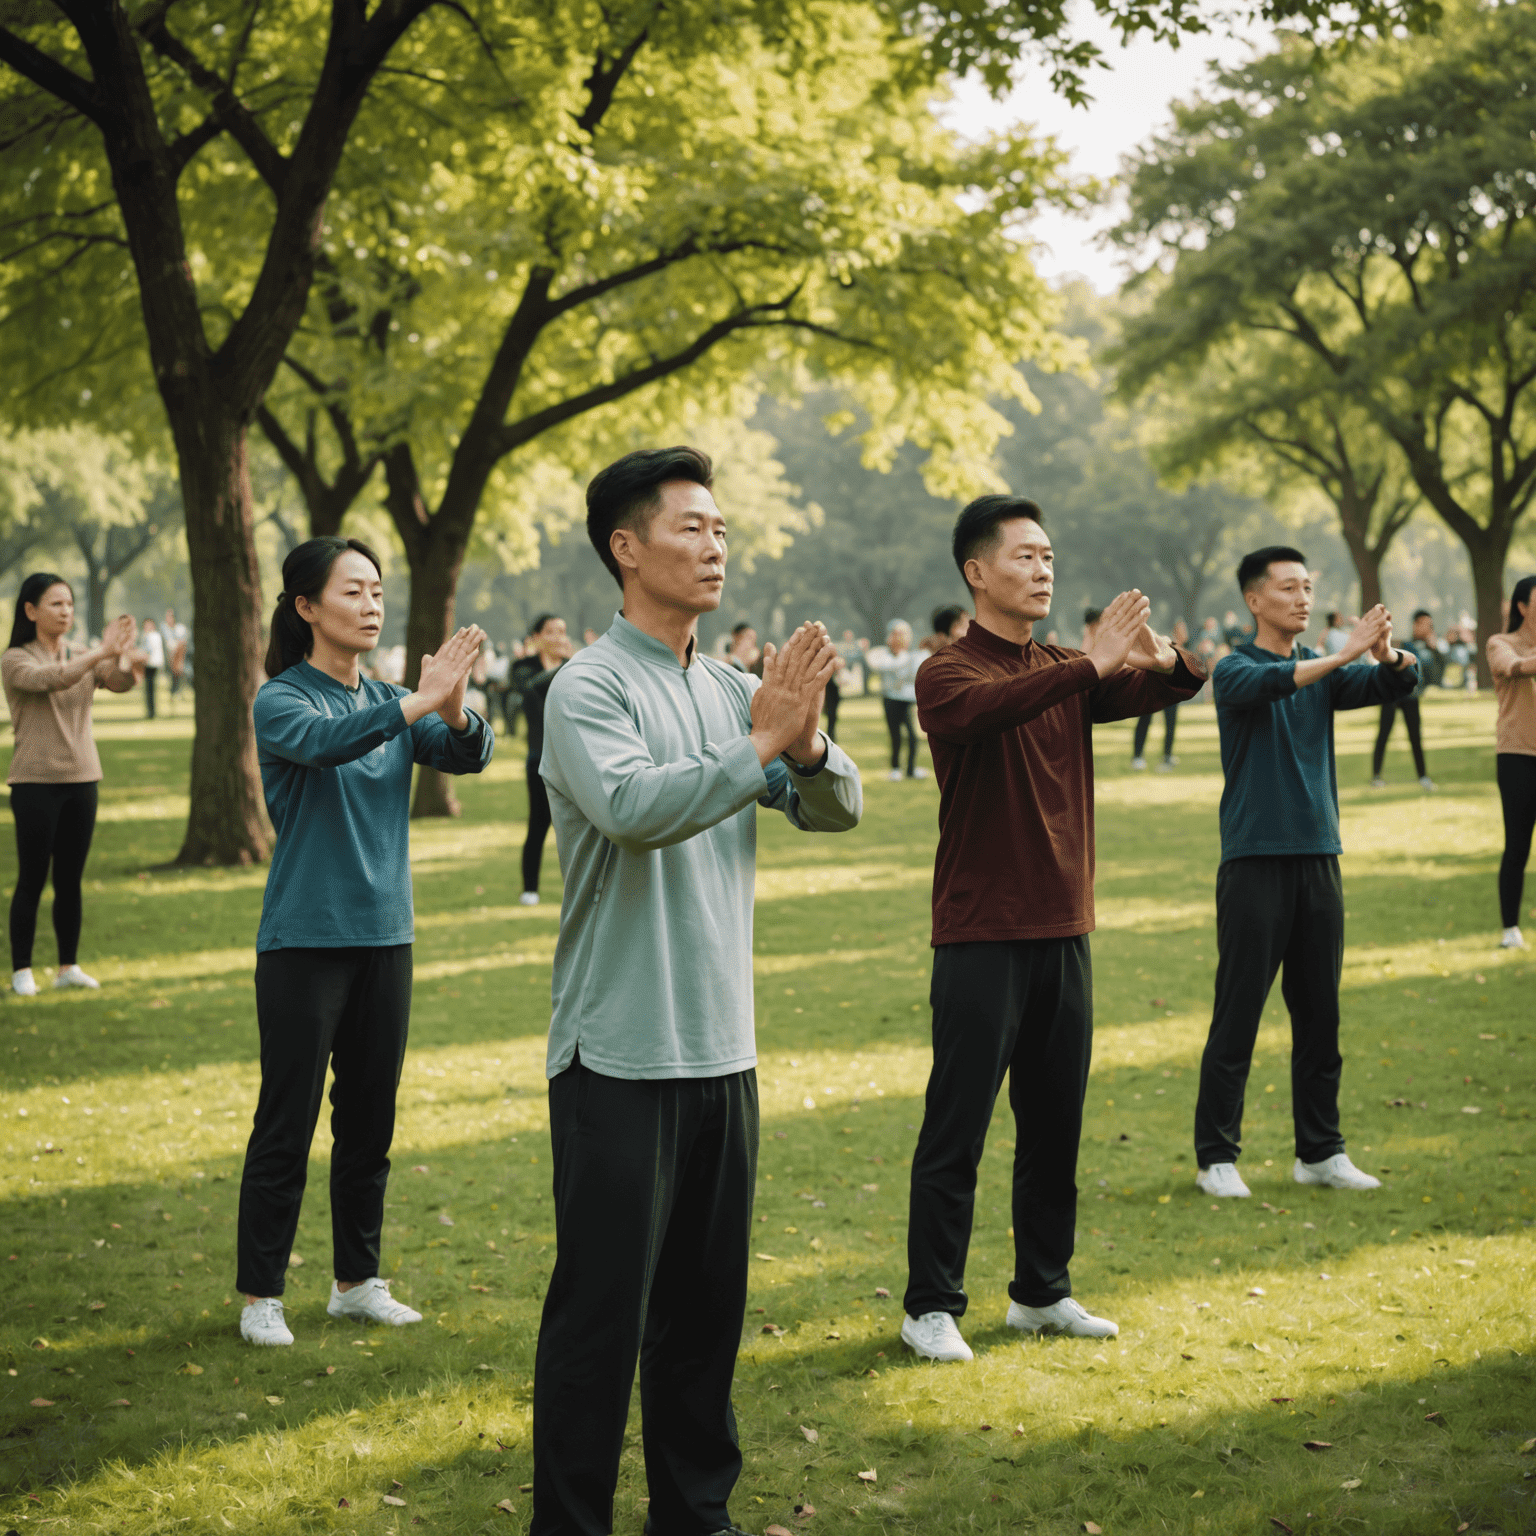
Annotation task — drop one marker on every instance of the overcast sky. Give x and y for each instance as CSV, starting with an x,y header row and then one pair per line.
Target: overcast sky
x,y
1131,100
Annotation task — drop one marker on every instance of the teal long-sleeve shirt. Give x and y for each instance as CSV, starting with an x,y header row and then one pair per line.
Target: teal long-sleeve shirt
x,y
1282,791
336,768
654,789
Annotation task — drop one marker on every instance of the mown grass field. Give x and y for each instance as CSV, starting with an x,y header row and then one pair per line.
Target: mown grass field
x,y
1396,1327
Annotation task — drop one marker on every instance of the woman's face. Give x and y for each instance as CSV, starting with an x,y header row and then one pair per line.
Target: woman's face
x,y
53,613
898,642
350,610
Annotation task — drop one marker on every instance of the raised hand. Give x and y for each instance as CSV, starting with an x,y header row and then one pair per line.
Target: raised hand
x,y
120,635
1152,652
1119,627
1373,633
787,708
445,675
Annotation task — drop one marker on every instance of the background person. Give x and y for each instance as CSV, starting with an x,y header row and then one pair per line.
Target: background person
x,y
1512,660
896,664
1279,897
657,758
153,648
533,674
55,768
949,624
175,636
333,952
1180,637
1422,643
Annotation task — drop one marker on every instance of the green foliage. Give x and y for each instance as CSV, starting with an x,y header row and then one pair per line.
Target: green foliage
x,y
1369,1303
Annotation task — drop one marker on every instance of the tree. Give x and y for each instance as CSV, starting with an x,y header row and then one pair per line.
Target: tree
x,y
1374,221
163,197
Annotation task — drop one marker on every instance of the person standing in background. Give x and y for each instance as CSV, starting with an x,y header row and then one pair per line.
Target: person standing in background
x,y
1335,634
1512,660
1422,643
744,653
333,952
153,648
55,768
533,674
949,624
896,663
174,637
1180,637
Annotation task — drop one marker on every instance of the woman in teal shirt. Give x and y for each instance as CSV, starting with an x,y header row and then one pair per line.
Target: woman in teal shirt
x,y
333,953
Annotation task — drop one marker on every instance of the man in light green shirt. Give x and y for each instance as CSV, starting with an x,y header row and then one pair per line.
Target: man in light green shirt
x,y
656,759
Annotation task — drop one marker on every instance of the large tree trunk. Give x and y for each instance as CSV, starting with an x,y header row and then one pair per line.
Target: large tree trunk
x,y
1367,559
228,822
1488,557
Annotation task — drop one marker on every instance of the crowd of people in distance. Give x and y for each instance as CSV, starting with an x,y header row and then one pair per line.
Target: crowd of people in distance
x,y
650,760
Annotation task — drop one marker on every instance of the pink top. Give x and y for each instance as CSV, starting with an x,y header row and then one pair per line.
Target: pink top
x,y
52,721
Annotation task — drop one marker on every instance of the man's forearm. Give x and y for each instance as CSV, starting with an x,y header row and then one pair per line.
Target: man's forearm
x,y
1320,666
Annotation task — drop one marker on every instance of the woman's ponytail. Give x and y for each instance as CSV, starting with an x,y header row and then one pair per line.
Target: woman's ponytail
x,y
305,573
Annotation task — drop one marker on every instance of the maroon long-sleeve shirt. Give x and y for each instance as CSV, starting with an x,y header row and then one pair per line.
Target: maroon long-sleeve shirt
x,y
1010,729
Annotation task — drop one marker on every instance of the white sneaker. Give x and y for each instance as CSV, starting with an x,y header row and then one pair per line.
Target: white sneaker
x,y
1378,782
1513,939
1138,764
73,976
261,1322
935,1336
918,773
1427,783
24,983
894,775
1223,1181
528,899
1064,1316
370,1299
1337,1172
1164,767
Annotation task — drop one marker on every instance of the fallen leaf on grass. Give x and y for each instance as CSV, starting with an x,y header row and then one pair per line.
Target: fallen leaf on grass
x,y
804,1511
330,1370
506,1506
525,1487
393,1502
833,1335
777,1530
1186,1357
98,1306
275,1401
420,1168
882,1293
1092,1529
343,1503
484,1290
1318,1445
810,1434
189,1369
767,1258
444,1219
774,1329
1528,1448
868,1477
1466,1525
119,1402
1353,1482
1282,1399
42,1402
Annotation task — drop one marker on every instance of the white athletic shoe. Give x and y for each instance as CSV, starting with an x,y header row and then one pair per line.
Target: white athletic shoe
x,y
1138,764
1378,782
24,983
1513,939
894,775
1337,1172
528,899
1427,783
370,1299
1167,765
1064,1316
73,976
261,1322
918,773
935,1336
1223,1181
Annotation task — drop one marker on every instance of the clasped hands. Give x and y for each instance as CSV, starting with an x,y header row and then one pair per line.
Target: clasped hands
x,y
1372,634
786,710
1124,638
444,677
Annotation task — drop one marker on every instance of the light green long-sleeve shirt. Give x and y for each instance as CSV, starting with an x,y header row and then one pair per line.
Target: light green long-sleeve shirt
x,y
654,788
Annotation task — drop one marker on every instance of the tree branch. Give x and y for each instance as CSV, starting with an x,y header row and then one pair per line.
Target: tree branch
x,y
72,89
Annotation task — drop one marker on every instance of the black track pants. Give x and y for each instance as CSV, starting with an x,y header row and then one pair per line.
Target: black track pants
x,y
898,718
1517,793
1144,729
347,1008
538,826
54,825
1024,1010
1275,914
1411,718
653,1212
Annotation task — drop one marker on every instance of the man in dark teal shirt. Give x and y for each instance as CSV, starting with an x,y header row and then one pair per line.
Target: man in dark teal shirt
x,y
1279,898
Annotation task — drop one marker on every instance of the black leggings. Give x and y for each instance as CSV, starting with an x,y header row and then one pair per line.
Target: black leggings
x,y
538,826
1144,729
54,823
898,718
1517,790
1410,709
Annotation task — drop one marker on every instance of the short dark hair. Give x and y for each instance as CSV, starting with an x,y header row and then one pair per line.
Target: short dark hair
x,y
305,573
1092,615
1421,613
24,630
539,623
1522,594
976,529
627,493
1332,618
1254,568
736,629
944,619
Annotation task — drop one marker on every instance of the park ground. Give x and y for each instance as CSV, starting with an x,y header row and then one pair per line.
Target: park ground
x,y
1304,1361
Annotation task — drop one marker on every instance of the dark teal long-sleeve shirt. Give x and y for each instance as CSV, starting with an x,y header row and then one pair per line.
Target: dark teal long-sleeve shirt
x,y
336,770
1282,791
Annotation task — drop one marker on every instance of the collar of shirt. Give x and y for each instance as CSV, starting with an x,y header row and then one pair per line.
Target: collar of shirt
x,y
316,678
985,640
647,646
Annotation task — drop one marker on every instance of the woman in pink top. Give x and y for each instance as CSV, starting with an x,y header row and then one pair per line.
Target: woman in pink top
x,y
55,767
1512,660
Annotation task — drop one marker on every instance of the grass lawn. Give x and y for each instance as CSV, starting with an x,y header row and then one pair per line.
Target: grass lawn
x,y
1396,1328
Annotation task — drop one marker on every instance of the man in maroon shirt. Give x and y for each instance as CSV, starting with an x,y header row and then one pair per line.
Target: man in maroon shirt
x,y
1010,726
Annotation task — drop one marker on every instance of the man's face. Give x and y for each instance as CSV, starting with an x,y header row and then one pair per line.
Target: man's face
x,y
1423,627
1283,600
680,563
1018,575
